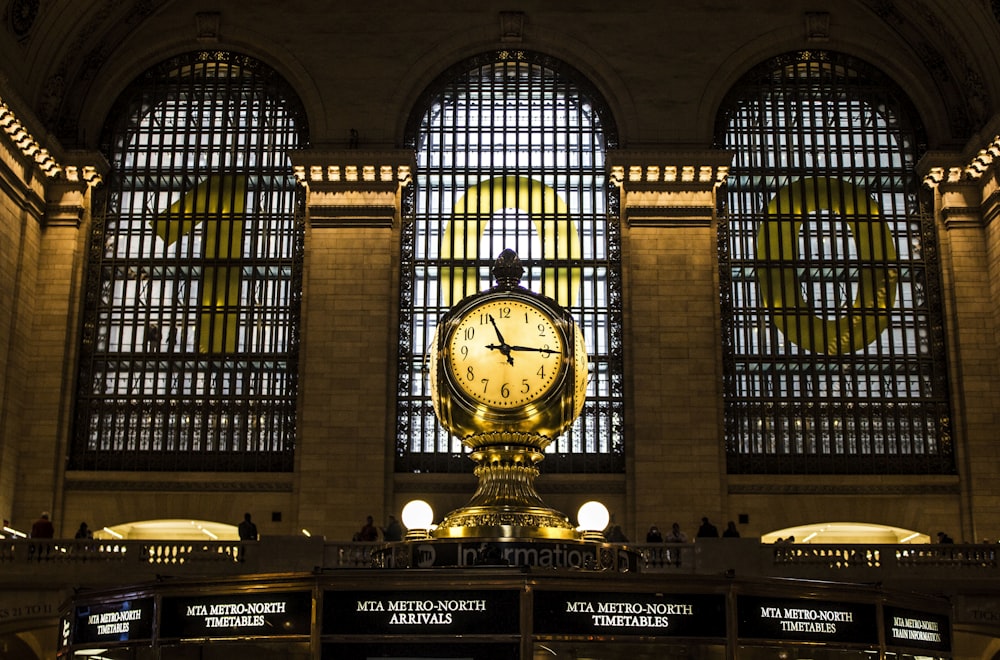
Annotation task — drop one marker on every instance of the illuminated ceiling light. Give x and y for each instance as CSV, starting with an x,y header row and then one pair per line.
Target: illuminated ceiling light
x,y
912,536
305,532
16,534
593,517
113,533
810,537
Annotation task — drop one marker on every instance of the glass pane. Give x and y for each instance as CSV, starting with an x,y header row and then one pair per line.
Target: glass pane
x,y
191,315
832,322
510,154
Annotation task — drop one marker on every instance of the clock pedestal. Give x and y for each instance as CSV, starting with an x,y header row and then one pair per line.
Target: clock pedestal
x,y
505,505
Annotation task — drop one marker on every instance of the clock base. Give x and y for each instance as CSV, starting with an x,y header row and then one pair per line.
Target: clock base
x,y
505,505
505,522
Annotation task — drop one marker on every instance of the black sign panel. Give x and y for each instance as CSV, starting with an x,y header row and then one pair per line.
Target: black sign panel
x,y
260,613
592,613
807,620
118,621
411,651
421,612
914,629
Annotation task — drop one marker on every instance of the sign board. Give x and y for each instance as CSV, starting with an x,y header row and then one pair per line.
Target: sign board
x,y
481,612
414,651
115,621
594,613
803,620
914,629
244,614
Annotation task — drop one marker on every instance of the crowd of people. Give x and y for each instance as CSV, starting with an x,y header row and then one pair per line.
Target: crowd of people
x,y
706,530
393,531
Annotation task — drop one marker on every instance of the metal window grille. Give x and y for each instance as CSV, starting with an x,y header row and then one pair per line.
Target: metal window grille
x,y
833,331
510,152
191,318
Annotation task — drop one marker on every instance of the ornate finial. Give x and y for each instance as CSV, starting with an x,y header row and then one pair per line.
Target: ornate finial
x,y
507,269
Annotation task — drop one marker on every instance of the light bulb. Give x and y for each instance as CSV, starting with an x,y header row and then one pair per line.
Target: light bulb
x,y
593,517
418,514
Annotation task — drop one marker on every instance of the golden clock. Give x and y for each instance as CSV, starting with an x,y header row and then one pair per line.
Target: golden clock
x,y
508,374
505,353
508,360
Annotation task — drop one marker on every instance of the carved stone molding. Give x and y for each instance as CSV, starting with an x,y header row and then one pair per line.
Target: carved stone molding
x,y
207,26
817,26
511,26
353,188
177,486
843,489
668,189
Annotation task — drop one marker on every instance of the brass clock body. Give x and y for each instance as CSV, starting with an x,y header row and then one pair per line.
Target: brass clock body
x,y
505,353
508,360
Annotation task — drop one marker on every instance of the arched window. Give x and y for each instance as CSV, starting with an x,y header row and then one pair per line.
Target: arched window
x,y
833,332
191,318
510,153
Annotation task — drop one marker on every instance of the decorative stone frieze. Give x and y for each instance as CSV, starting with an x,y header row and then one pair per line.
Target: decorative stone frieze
x,y
26,143
353,188
68,196
668,189
969,193
67,185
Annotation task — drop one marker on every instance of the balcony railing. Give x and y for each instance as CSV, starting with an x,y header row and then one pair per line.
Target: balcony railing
x,y
60,562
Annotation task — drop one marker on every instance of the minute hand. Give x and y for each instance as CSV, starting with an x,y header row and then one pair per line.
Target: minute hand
x,y
531,348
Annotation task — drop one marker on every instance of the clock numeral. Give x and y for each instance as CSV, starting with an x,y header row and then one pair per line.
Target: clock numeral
x,y
541,371
504,391
486,383
465,352
546,351
470,332
541,329
505,312
525,387
469,375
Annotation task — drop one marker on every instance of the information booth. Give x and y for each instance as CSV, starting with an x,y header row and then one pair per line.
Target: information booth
x,y
501,613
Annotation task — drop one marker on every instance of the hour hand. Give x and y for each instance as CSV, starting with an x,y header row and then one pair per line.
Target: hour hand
x,y
499,336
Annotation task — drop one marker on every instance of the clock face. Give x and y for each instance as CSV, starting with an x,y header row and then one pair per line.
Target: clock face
x,y
505,353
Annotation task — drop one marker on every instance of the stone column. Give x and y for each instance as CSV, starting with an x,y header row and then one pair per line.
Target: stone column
x,y
967,202
51,288
672,335
349,318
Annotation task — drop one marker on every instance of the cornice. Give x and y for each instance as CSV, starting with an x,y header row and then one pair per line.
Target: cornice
x,y
354,169
950,171
32,150
666,170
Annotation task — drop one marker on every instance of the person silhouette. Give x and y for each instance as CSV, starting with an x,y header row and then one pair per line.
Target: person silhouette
x,y
247,529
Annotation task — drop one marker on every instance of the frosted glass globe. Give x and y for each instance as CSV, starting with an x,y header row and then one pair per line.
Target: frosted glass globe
x,y
593,516
418,514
